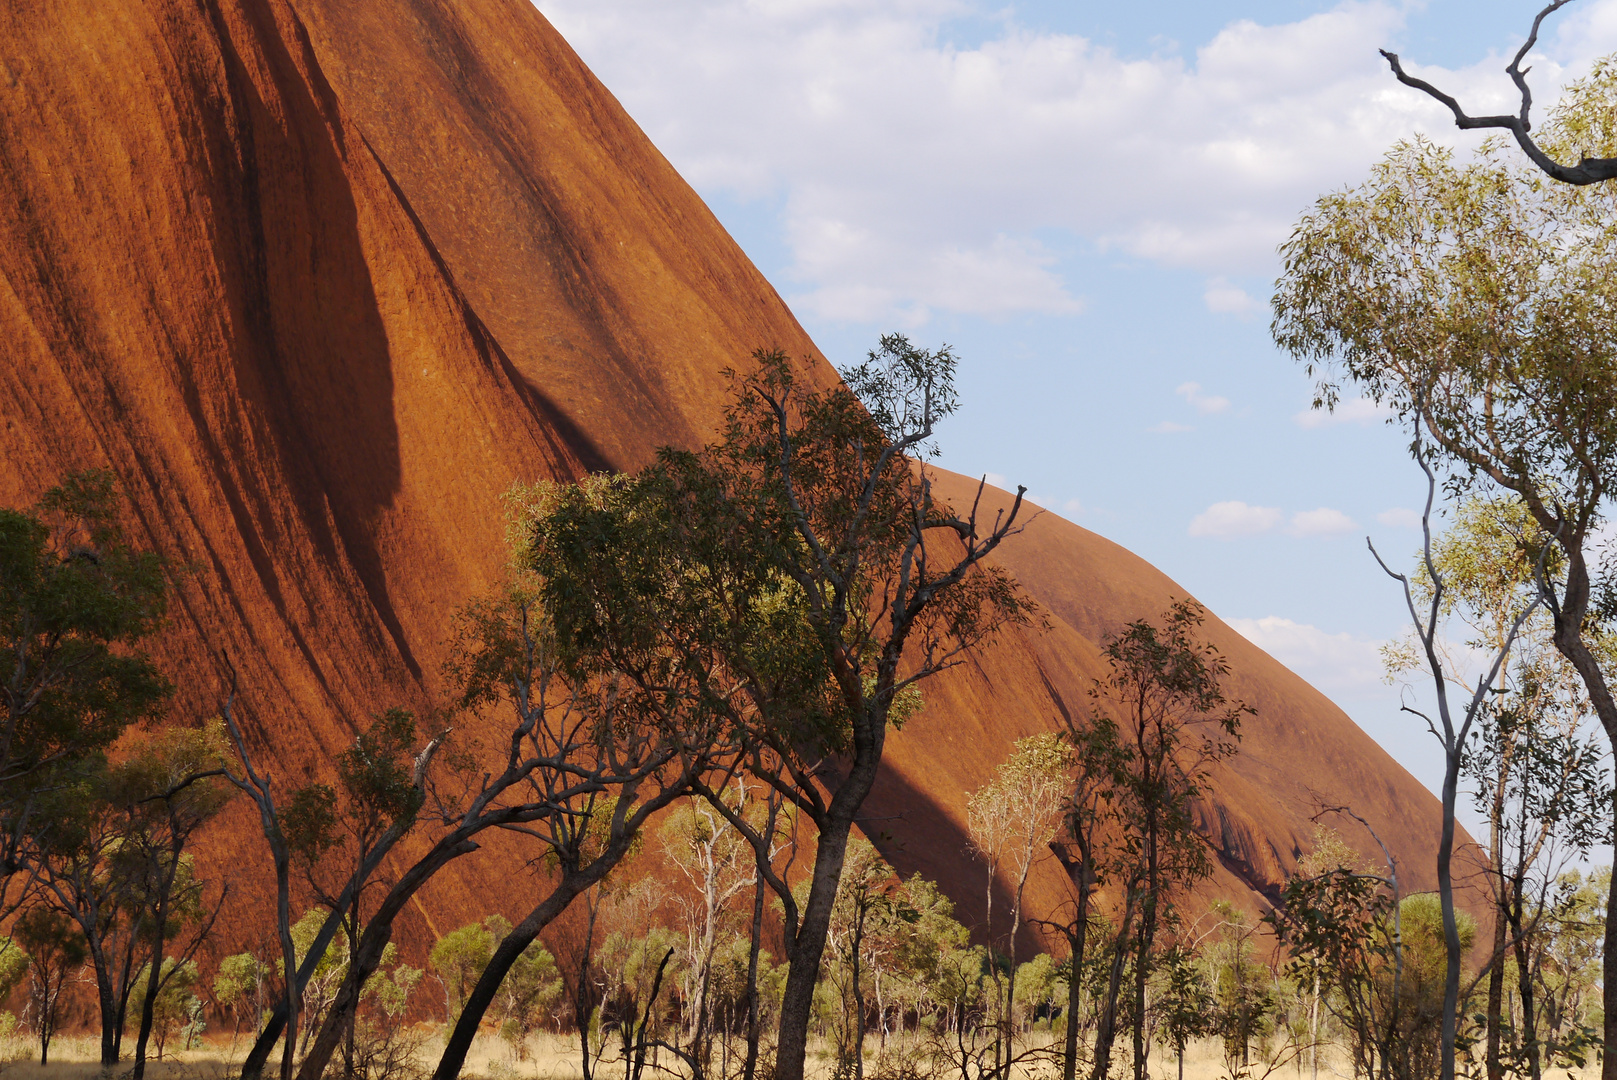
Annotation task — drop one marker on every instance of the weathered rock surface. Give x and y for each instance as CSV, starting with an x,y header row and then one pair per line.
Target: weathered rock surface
x,y
318,280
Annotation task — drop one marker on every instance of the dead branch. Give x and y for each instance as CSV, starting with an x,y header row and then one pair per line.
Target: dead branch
x,y
1587,171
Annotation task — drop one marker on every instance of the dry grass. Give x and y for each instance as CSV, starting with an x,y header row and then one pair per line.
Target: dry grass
x,y
554,1057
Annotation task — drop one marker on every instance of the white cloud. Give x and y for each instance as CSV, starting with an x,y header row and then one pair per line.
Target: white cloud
x,y
1334,663
1230,520
1168,427
1224,298
915,175
1320,523
1205,404
1399,518
997,480
1357,410
1072,508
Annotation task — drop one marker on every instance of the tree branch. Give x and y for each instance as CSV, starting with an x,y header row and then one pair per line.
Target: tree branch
x,y
1587,171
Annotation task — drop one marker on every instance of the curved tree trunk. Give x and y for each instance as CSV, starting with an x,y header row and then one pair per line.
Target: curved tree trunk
x,y
505,954
378,932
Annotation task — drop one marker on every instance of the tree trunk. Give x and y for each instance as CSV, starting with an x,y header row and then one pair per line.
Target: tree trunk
x,y
1451,930
378,932
349,1032
1143,941
505,954
1069,1061
154,974
1524,985
1569,642
797,1004
292,989
583,1010
858,1004
1313,1029
106,1000
750,1068
1496,991
126,983
1106,1028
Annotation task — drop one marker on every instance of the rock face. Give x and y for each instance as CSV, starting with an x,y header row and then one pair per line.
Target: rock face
x,y
318,280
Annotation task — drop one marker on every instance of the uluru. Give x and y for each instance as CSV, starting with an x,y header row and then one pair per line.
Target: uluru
x,y
317,282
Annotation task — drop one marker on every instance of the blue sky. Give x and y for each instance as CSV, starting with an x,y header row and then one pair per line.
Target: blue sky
x,y
1084,200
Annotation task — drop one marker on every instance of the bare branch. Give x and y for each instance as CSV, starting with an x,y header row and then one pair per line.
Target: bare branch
x,y
1587,171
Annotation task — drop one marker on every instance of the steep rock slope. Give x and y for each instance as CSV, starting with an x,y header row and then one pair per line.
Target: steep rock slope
x,y
318,281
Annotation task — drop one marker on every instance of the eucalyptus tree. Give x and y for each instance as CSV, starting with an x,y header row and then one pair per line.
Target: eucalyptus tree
x,y
55,950
1013,818
77,602
385,785
717,864
89,870
886,584
603,741
170,787
338,835
1097,757
803,578
1164,707
1340,922
1479,304
1537,777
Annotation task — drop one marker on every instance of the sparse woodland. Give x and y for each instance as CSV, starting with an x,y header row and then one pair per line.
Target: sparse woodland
x,y
675,663
673,710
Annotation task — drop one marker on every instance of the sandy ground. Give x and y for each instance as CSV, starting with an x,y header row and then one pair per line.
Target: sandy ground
x,y
552,1057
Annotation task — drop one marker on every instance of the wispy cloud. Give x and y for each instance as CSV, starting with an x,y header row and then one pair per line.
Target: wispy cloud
x,y
1206,404
1333,663
1323,522
1224,298
1399,518
1358,410
1233,520
1168,427
915,175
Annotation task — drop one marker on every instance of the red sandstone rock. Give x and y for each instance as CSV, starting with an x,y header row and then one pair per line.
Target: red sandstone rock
x,y
319,279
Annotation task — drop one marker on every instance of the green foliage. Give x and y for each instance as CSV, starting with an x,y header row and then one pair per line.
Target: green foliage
x,y
176,1010
309,822
630,962
1183,1003
1243,990
1480,296
377,773
529,992
238,987
1163,713
459,957
1569,976
1383,963
76,599
324,981
49,939
14,964
1040,988
55,950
